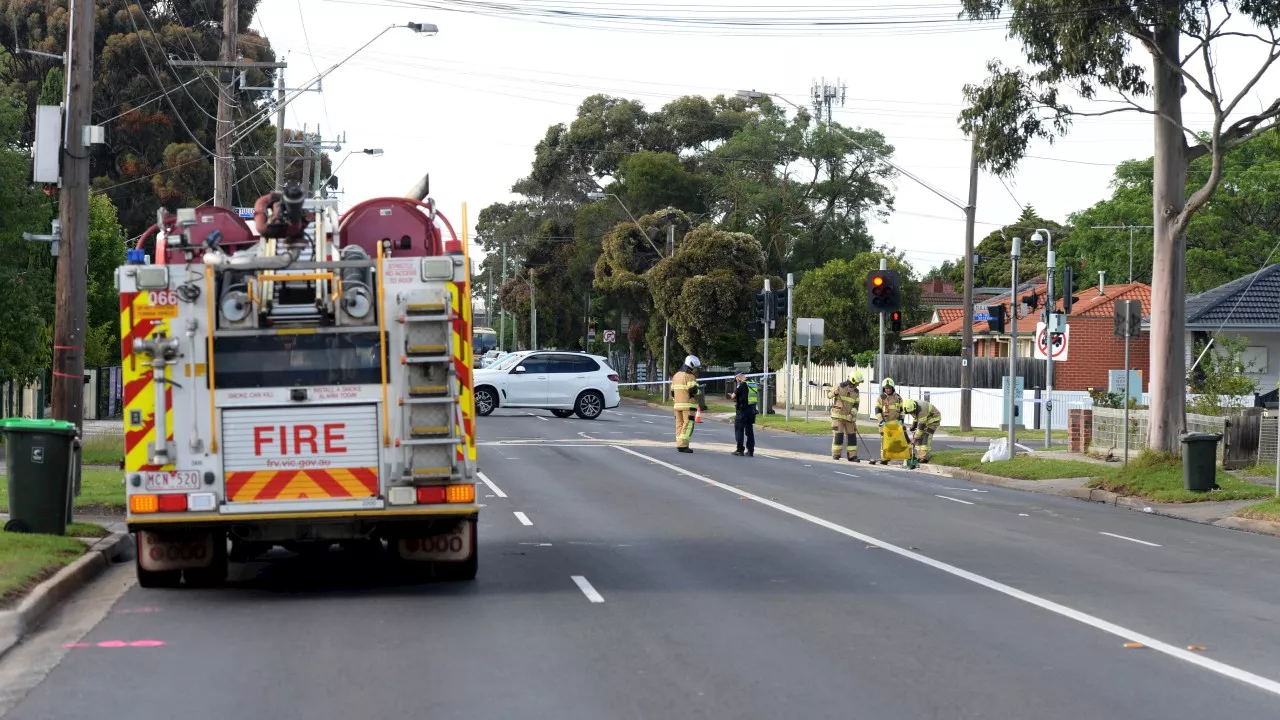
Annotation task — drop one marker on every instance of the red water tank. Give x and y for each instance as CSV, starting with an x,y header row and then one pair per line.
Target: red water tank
x,y
401,221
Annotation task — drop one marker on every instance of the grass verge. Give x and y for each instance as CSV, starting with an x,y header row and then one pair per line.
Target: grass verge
x,y
86,530
1159,478
102,450
1022,467
101,492
1266,471
1269,510
998,433
25,560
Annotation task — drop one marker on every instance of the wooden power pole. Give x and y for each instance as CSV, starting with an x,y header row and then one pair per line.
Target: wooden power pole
x,y
73,206
224,166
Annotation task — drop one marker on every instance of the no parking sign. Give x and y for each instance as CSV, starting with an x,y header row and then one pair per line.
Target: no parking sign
x,y
1060,342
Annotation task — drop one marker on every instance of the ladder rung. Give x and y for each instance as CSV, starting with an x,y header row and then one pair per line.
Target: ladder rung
x,y
428,318
421,359
433,441
430,400
427,390
425,349
426,431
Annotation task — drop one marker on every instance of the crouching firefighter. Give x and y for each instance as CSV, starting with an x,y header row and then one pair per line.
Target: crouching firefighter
x,y
688,399
844,417
889,408
928,419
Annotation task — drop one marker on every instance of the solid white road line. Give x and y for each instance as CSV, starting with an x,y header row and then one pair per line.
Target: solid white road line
x,y
649,421
944,497
586,589
538,416
524,519
965,490
1235,673
485,479
845,474
1133,540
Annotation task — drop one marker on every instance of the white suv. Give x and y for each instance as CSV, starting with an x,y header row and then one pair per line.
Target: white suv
x,y
564,383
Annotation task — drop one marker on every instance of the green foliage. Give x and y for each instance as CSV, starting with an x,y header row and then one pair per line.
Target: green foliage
x,y
936,345
1221,371
837,293
706,291
994,249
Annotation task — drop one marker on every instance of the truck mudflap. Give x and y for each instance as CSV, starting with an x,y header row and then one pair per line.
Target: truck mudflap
x,y
455,545
176,550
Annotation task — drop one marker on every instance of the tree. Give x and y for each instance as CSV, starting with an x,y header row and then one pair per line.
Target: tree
x,y
1086,46
1232,236
994,250
106,253
705,290
837,293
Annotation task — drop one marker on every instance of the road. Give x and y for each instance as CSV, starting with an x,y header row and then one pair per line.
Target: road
x,y
619,579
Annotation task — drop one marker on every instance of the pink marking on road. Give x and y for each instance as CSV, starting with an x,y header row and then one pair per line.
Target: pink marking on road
x,y
146,643
113,644
76,645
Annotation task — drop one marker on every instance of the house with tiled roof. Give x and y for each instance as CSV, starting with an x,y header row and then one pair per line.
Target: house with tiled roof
x,y
1093,348
1249,308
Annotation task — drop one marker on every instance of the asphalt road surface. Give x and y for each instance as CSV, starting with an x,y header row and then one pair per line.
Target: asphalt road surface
x,y
619,579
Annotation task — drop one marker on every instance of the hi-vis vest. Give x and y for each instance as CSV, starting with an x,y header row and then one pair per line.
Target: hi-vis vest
x,y
753,392
844,401
928,415
684,386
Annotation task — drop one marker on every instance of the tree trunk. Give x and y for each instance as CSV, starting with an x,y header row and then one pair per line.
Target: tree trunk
x,y
1169,256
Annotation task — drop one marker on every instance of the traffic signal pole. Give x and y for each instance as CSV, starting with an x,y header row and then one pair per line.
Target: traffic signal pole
x,y
791,371
768,315
880,372
1015,254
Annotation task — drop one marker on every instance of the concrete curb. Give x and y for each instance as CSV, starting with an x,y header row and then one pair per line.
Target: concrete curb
x,y
16,623
1264,527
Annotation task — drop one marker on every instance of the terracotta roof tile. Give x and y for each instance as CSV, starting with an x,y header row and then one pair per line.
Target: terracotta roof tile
x,y
1090,304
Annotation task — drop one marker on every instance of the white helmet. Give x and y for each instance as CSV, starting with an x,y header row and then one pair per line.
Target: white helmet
x,y
693,361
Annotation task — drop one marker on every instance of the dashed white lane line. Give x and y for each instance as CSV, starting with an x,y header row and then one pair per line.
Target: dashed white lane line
x,y
485,479
586,589
768,457
1132,540
966,490
944,497
1189,657
649,421
524,519
538,416
845,474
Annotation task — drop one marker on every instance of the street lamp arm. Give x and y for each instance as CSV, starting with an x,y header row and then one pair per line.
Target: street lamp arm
x,y
633,220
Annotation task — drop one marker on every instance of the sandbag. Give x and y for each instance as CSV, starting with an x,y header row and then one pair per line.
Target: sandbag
x,y
894,442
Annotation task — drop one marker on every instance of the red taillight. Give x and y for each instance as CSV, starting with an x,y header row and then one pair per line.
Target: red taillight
x,y
173,503
433,495
613,377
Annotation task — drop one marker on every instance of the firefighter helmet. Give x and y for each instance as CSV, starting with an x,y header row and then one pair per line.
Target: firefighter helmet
x,y
856,377
693,361
888,382
910,406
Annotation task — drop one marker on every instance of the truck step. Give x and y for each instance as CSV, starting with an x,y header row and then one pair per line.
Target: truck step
x,y
427,308
428,431
440,473
432,441
412,400
429,391
424,359
420,350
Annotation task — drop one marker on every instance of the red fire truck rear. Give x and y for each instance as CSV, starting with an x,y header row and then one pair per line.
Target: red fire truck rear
x,y
302,382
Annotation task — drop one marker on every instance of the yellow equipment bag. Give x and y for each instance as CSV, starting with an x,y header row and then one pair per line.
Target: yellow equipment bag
x,y
895,445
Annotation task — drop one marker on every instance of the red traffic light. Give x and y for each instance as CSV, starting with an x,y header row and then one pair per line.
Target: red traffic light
x,y
896,316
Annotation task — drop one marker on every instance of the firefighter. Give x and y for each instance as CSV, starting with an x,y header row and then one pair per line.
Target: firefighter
x,y
687,397
928,418
889,408
745,398
844,417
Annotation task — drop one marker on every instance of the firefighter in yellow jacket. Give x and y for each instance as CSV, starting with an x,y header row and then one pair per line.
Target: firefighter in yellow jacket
x,y
889,408
928,419
844,417
688,398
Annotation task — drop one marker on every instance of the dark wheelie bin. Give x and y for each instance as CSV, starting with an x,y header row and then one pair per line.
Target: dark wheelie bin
x,y
39,461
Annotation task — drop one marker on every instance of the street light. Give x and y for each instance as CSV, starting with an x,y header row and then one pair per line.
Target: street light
x,y
1044,237
372,152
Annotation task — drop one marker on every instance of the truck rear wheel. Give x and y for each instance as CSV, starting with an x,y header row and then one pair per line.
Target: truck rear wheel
x,y
461,571
216,573
154,579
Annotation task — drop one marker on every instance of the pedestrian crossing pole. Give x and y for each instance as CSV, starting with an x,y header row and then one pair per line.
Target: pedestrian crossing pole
x,y
768,320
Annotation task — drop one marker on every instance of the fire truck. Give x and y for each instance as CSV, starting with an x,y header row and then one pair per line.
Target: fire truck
x,y
301,381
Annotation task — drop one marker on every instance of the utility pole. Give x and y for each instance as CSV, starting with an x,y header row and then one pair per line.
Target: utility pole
x,y
880,371
502,322
791,386
966,341
1049,327
280,130
666,324
1015,254
223,165
768,320
73,208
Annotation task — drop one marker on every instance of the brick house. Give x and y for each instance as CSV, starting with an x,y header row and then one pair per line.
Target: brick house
x,y
1094,349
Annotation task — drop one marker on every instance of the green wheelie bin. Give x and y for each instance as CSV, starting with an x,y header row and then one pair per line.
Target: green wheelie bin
x,y
1199,461
39,460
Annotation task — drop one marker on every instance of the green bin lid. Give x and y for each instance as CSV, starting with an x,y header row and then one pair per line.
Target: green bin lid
x,y
35,426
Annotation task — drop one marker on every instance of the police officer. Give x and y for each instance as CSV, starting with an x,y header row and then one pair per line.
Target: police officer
x,y
745,397
928,419
844,417
889,409
687,397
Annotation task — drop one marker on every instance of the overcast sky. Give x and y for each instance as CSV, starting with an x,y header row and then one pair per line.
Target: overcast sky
x,y
469,104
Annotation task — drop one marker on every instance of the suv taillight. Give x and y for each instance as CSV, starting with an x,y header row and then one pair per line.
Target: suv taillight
x,y
613,377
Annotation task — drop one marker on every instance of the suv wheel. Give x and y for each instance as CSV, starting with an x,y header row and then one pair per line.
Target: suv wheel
x,y
486,401
590,405
562,413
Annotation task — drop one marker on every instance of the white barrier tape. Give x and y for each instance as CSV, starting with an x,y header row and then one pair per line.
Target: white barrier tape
x,y
667,382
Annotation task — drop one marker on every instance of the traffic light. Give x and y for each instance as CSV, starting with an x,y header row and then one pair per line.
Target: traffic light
x,y
1068,289
780,304
996,323
896,318
762,307
883,291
